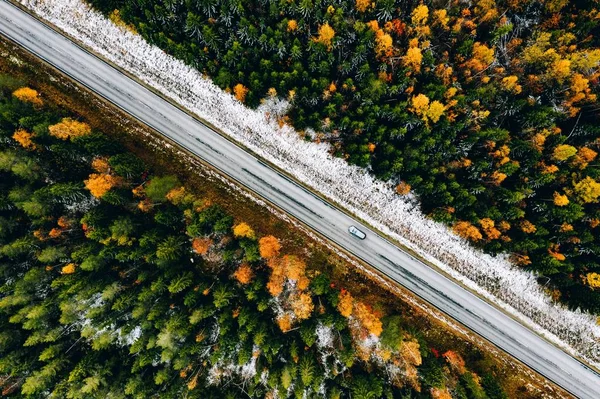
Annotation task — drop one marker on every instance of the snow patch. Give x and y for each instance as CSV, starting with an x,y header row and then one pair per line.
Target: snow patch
x,y
324,336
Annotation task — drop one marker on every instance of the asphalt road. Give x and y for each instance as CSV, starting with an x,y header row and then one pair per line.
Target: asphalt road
x,y
225,156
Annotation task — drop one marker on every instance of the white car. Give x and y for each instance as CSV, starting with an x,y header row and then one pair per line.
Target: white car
x,y
356,233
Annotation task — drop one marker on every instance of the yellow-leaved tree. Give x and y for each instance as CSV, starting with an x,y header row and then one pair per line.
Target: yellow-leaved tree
x,y
68,269
243,230
429,112
326,35
302,305
435,111
560,200
510,83
383,44
420,105
593,280
100,184
292,25
69,128
482,57
24,139
587,190
363,5
413,59
28,95
419,15
563,152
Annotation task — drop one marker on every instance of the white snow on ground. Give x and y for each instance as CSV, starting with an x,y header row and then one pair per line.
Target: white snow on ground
x,y
350,187
324,336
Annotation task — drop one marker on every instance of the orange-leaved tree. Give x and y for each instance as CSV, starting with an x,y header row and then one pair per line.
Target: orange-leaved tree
x,y
527,227
269,247
467,230
285,322
455,361
240,91
345,303
244,274
367,318
403,188
489,228
201,245
362,5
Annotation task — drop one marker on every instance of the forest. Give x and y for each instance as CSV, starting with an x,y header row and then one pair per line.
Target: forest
x,y
117,281
487,111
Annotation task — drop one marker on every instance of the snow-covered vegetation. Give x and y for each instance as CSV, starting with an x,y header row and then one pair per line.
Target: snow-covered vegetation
x,y
353,188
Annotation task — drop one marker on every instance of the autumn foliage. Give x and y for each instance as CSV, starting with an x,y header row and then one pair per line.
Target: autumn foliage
x,y
240,91
403,188
269,247
593,280
326,34
345,304
100,165
68,129
225,316
484,107
455,361
302,305
467,231
243,273
68,269
24,138
28,95
176,195
288,283
366,319
588,190
363,5
201,245
100,184
243,230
